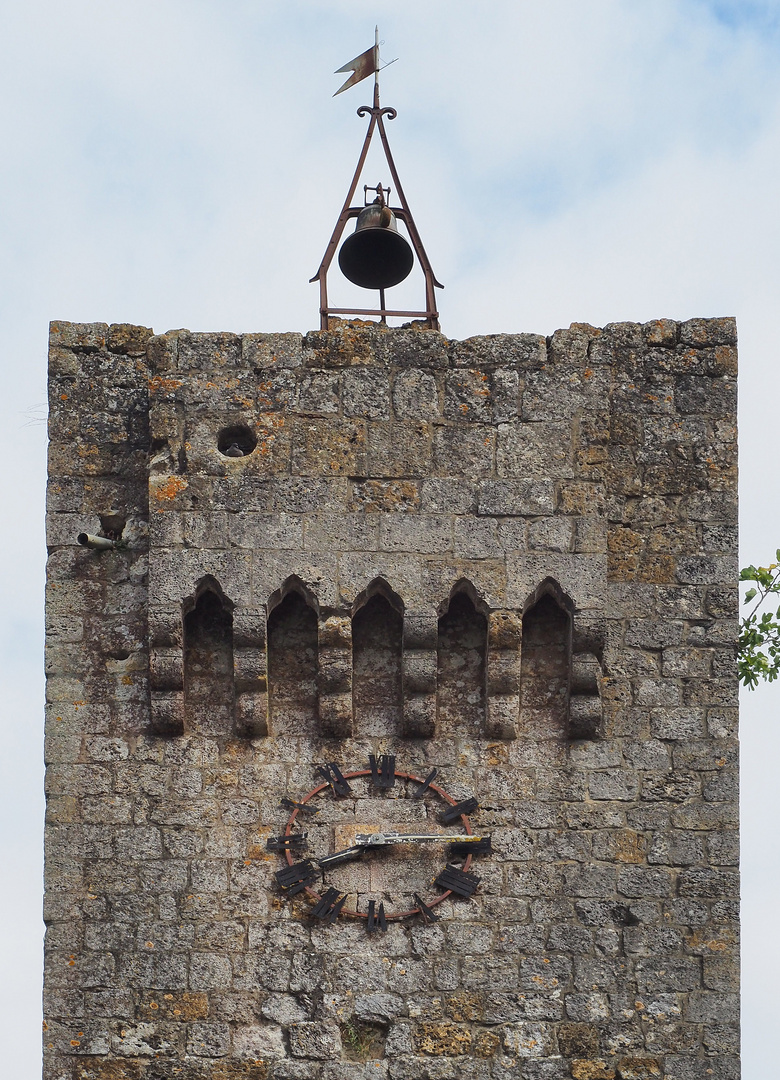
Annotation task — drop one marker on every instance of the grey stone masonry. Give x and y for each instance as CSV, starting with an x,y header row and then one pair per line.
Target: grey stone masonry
x,y
510,559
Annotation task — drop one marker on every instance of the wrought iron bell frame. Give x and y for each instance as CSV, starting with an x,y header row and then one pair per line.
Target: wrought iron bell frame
x,y
402,213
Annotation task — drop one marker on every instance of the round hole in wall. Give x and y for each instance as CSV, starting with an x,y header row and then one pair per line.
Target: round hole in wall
x,y
236,441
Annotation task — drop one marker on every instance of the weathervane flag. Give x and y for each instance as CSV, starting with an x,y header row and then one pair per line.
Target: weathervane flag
x,y
361,67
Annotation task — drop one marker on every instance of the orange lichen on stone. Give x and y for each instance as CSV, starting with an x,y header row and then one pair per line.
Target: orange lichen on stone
x,y
592,1070
269,423
623,540
629,847
158,384
498,754
182,1006
166,488
702,941
657,569
118,1069
634,1068
486,1043
443,1038
466,1006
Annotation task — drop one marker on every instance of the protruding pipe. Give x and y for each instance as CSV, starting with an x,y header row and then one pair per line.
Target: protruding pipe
x,y
98,542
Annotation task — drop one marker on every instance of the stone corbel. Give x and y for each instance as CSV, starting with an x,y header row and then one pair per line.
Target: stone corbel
x,y
502,674
166,672
250,671
335,676
420,675
585,696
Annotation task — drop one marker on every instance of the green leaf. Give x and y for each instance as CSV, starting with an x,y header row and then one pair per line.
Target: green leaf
x,y
758,647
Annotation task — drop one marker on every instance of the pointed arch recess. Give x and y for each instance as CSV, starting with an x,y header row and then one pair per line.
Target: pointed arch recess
x,y
546,661
293,584
209,699
378,586
461,662
292,643
377,660
463,585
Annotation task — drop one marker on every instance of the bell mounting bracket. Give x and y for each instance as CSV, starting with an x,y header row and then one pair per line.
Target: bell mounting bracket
x,y
381,192
402,213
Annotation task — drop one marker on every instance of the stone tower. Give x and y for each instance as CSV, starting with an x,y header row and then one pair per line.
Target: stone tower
x,y
312,571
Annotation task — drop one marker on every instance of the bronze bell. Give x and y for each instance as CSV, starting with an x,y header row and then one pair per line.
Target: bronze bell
x,y
376,256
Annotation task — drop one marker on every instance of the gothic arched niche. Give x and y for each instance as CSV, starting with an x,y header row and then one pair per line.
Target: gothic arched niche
x,y
462,649
208,660
377,636
545,662
292,662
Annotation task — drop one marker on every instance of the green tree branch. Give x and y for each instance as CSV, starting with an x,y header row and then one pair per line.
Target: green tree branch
x,y
758,655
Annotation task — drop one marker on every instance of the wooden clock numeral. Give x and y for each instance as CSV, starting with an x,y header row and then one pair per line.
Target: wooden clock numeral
x,y
329,906
375,920
452,813
333,775
457,881
382,771
293,842
425,785
294,879
428,916
460,849
301,807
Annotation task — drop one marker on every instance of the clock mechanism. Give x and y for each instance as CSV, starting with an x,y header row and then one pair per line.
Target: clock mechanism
x,y
369,844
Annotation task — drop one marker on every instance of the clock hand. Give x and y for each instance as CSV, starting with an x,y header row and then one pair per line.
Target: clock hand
x,y
367,840
345,855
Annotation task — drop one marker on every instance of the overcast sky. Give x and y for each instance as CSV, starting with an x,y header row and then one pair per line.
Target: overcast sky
x,y
182,163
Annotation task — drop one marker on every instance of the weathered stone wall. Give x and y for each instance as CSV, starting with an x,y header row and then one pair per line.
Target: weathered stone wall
x,y
532,545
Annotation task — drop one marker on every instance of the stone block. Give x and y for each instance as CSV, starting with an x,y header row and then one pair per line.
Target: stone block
x,y
706,332
581,577
467,395
175,575
340,532
421,533
365,392
258,1042
319,393
464,451
272,350
520,497
335,715
475,538
419,718
415,395
528,1040
127,339
70,335
208,1040
208,352
329,447
379,1008
533,449
399,448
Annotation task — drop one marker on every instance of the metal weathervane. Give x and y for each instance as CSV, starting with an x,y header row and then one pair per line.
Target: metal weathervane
x,y
375,256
